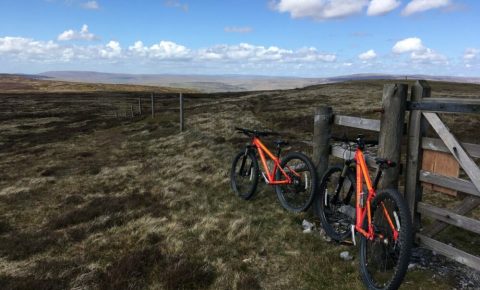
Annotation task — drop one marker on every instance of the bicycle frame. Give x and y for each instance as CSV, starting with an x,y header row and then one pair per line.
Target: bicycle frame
x,y
262,150
365,211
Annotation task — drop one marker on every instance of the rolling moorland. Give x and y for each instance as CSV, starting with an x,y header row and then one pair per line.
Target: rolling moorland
x,y
227,83
89,200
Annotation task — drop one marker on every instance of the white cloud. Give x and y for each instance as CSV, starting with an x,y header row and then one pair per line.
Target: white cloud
x,y
238,58
320,9
111,50
331,9
138,49
236,29
368,55
91,5
418,52
29,50
83,34
310,54
428,56
408,45
416,6
471,53
253,53
165,50
471,58
168,50
381,7
26,47
408,57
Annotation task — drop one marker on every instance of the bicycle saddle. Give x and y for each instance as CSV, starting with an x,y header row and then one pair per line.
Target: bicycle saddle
x,y
385,163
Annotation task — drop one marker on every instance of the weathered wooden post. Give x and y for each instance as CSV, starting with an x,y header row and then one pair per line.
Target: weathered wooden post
x,y
116,114
416,131
131,111
153,108
392,121
139,106
322,128
181,112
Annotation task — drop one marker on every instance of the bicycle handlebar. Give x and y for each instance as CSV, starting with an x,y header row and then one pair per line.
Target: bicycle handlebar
x,y
249,132
357,141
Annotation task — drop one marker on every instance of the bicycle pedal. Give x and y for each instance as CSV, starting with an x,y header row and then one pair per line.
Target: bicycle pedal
x,y
347,242
353,235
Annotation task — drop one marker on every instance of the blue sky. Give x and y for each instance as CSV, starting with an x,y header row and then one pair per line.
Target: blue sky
x,y
311,38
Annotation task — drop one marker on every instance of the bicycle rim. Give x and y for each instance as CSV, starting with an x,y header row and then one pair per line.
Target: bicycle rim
x,y
384,260
244,175
337,204
298,195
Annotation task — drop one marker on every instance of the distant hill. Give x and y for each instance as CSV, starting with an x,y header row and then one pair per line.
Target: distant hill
x,y
20,83
358,77
228,83
94,81
206,83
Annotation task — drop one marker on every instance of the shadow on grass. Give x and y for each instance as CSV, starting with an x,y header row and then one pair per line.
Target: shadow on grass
x,y
149,266
31,282
96,215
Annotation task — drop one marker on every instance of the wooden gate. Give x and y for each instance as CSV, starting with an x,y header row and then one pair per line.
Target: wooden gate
x,y
423,113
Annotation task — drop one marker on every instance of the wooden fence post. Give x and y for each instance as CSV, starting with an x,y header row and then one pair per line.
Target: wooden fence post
x,y
131,111
416,131
181,112
116,114
153,108
394,102
322,128
139,106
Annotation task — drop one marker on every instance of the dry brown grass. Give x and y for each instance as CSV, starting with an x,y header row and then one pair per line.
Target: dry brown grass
x,y
18,84
132,204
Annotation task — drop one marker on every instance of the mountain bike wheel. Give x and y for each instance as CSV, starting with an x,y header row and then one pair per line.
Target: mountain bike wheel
x,y
298,195
384,261
244,174
335,203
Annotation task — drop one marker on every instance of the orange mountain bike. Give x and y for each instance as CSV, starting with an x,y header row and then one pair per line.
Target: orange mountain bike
x,y
294,177
346,206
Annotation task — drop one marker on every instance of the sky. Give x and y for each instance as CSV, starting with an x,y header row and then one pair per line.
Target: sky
x,y
304,38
